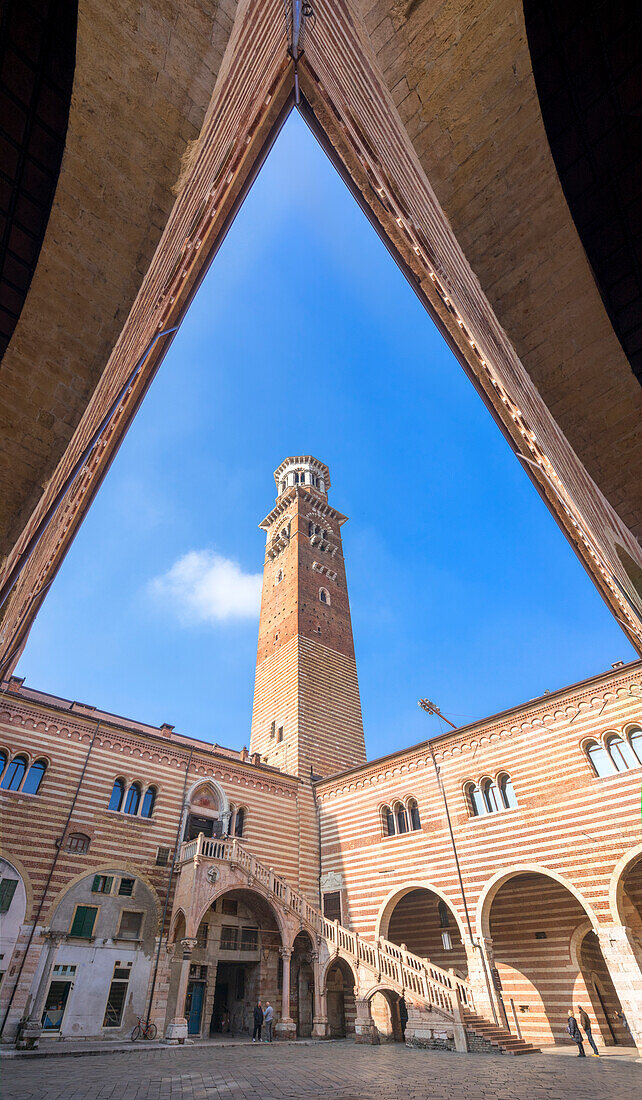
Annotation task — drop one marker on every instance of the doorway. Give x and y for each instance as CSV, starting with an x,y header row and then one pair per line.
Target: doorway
x,y
194,1006
57,997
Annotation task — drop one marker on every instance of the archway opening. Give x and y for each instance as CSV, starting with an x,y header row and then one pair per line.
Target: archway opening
x,y
205,814
423,921
341,1004
235,963
388,1016
540,970
302,985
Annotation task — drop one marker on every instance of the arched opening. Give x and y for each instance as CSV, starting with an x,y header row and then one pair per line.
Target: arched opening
x,y
302,985
604,1004
534,922
341,1004
205,814
428,926
385,1009
235,962
13,904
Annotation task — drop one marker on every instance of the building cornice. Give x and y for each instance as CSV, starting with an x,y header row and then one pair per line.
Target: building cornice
x,y
305,492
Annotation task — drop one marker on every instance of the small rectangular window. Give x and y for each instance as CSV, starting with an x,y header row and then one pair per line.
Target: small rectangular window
x,y
130,926
280,737
102,884
126,888
332,905
7,890
201,936
82,925
249,939
229,906
162,857
446,941
229,938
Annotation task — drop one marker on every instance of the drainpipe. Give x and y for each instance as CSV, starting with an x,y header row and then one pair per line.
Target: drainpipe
x,y
48,882
169,887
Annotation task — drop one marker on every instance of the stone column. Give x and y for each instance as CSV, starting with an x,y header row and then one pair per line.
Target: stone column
x,y
320,1019
365,1029
177,1028
479,956
29,1035
285,1027
617,944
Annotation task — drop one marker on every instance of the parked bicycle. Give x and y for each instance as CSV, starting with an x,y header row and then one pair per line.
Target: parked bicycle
x,y
144,1030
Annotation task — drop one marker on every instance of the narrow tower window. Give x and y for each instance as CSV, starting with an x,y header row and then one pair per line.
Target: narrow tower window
x,y
324,596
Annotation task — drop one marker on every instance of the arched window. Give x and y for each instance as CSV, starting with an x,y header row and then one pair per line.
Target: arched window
x,y
476,800
600,759
635,737
14,774
402,818
279,576
324,595
444,915
491,796
387,821
149,802
621,753
32,783
413,813
239,821
3,760
509,797
132,802
78,842
118,790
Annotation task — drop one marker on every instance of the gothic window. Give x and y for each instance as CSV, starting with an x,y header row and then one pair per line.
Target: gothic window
x,y
388,821
78,842
401,817
32,783
621,753
239,822
149,802
3,760
413,813
509,799
132,802
635,737
491,796
118,791
600,759
475,799
324,595
14,774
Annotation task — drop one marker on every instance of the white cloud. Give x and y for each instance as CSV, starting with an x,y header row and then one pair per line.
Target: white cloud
x,y
203,586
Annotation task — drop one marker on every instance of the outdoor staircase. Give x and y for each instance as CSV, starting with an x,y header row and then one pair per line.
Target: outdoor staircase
x,y
389,963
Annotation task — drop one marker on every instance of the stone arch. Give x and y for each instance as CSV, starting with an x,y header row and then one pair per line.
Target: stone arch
x,y
616,885
393,898
339,982
383,1004
24,875
205,783
175,926
101,869
494,884
344,963
287,934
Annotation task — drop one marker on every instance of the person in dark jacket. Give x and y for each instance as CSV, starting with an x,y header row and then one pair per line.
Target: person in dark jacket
x,y
586,1025
403,1016
576,1034
258,1022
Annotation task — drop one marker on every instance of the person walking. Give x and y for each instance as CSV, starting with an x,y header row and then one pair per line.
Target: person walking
x,y
268,1016
585,1023
575,1033
258,1022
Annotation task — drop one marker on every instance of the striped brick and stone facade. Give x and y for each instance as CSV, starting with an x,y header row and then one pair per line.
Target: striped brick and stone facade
x,y
490,878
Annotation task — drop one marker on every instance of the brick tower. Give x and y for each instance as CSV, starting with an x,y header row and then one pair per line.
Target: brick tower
x,y
307,711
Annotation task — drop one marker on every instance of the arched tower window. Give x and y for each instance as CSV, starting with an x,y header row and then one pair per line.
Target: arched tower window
x,y
117,793
475,799
149,802
621,753
324,596
635,737
14,774
34,778
401,817
599,758
132,802
413,814
491,796
387,821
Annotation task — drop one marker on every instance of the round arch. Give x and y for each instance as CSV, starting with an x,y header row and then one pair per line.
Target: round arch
x,y
287,937
616,885
344,964
380,987
487,896
103,869
20,868
392,899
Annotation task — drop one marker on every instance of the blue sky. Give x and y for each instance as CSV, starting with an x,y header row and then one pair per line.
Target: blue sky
x,y
305,338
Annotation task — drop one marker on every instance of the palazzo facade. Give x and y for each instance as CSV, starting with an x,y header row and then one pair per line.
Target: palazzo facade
x,y
462,893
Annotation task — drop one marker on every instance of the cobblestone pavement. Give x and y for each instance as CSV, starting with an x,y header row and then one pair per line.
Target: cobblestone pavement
x,y
340,1071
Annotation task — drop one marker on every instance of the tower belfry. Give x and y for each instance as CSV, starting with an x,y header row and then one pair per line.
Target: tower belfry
x,y
307,711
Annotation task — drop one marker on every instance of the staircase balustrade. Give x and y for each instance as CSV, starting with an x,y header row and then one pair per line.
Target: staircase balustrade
x,y
440,988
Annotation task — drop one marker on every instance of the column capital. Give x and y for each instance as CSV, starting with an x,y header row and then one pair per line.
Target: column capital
x,y
53,935
285,952
188,945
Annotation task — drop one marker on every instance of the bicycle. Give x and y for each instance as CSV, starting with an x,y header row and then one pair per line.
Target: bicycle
x,y
144,1030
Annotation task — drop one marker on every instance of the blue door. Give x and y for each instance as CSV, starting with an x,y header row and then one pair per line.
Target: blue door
x,y
194,1007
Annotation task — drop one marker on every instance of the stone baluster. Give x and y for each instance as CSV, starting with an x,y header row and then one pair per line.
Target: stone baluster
x,y
285,1027
177,1028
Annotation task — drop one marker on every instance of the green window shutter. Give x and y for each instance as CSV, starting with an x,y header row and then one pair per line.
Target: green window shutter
x,y
95,884
83,922
7,890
